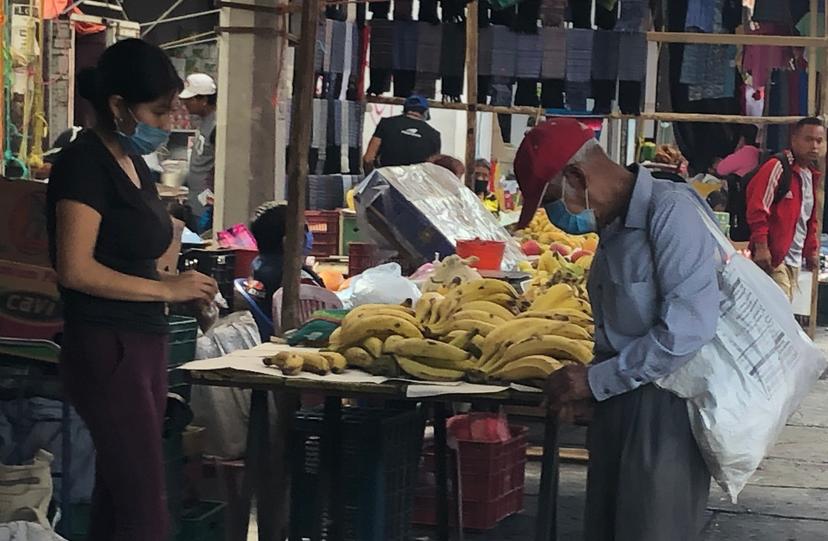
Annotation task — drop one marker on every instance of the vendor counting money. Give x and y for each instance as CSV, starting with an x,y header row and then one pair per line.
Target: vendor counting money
x,y
655,297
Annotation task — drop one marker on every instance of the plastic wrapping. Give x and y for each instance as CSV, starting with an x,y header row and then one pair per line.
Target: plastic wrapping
x,y
383,284
224,411
742,387
420,210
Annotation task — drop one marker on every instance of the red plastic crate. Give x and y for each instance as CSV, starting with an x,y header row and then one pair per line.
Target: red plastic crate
x,y
491,475
324,224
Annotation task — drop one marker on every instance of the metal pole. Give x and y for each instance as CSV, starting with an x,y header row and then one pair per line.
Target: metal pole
x,y
162,17
182,17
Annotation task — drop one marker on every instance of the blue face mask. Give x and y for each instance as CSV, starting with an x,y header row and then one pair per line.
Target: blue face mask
x,y
144,140
306,249
575,224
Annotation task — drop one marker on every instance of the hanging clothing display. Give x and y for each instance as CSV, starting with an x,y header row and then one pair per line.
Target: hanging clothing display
x,y
578,68
773,11
453,60
700,15
429,47
552,12
380,56
759,60
632,16
605,55
404,58
504,52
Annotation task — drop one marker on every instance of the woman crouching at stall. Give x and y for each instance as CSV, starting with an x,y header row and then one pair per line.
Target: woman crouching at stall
x,y
107,226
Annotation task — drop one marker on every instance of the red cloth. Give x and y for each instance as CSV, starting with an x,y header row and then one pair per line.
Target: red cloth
x,y
775,223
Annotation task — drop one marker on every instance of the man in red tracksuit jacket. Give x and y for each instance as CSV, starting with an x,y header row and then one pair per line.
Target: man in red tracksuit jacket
x,y
783,235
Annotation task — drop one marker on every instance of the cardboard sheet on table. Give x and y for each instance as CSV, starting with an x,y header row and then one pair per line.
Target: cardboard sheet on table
x,y
268,349
254,364
420,390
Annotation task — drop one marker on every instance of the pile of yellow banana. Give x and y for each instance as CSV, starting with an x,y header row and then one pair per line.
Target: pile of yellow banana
x,y
481,331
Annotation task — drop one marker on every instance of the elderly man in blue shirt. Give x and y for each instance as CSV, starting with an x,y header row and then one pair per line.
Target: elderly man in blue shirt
x,y
655,296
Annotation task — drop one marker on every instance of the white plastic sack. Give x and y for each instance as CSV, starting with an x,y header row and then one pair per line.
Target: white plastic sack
x,y
384,284
742,387
27,531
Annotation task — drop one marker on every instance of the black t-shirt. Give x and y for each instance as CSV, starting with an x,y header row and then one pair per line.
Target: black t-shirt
x,y
135,230
406,141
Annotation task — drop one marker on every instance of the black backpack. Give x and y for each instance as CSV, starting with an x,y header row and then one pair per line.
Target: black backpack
x,y
737,195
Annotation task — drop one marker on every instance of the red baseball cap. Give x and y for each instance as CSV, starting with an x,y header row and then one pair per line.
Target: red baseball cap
x,y
542,155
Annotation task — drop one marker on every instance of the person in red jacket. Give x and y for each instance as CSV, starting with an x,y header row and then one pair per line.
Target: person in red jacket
x,y
783,234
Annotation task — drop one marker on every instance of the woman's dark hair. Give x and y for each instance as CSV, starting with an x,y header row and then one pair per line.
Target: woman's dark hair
x,y
133,69
749,133
268,227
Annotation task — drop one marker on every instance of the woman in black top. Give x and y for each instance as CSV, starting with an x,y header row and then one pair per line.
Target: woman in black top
x,y
107,226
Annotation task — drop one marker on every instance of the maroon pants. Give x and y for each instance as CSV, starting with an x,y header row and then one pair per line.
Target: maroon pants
x,y
117,381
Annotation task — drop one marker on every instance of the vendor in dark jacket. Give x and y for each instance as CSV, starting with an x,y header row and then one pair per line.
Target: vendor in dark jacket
x,y
268,228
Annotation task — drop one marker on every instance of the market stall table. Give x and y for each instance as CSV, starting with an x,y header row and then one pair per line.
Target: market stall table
x,y
246,371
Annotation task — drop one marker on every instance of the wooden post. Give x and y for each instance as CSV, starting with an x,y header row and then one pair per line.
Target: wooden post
x,y
820,195
812,61
300,138
471,91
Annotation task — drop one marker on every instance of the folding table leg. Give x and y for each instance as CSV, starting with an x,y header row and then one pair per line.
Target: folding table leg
x,y
546,528
440,463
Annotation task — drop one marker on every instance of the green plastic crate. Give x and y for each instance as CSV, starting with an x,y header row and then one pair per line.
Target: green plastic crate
x,y
348,230
78,513
202,521
183,332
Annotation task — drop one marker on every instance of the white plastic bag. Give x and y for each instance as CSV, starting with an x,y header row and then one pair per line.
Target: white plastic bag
x,y
384,284
743,385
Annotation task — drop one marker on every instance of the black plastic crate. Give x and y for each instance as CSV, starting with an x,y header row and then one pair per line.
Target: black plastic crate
x,y
174,479
202,521
220,264
379,456
183,333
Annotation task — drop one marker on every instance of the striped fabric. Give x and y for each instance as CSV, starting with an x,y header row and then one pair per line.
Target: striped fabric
x,y
554,53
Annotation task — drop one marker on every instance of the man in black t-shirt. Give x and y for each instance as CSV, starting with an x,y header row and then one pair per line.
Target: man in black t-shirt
x,y
403,140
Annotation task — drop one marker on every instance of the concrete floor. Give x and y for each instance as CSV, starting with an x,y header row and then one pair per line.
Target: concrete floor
x,y
786,500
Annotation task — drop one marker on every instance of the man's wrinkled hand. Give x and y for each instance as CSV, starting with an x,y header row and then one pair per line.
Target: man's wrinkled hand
x,y
569,384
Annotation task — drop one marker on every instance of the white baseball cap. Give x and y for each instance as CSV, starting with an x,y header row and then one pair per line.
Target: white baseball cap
x,y
198,84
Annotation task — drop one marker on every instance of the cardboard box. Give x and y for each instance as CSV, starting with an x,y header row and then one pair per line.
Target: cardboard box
x,y
23,236
29,301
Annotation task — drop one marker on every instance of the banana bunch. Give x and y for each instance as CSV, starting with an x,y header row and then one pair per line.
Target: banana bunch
x,y
540,229
480,306
480,331
293,362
